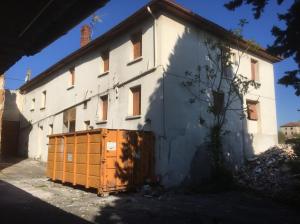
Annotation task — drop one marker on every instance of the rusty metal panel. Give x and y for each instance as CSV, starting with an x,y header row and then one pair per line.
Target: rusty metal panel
x,y
109,160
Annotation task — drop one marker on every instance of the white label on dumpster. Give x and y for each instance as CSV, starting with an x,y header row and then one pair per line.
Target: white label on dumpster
x,y
70,157
111,146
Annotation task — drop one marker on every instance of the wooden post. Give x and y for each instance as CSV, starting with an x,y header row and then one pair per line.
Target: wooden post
x,y
54,160
87,185
75,160
64,159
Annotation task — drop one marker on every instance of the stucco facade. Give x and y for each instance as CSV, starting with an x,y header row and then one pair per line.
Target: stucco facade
x,y
170,46
291,129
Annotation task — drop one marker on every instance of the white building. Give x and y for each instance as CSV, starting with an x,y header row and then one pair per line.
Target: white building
x,y
130,78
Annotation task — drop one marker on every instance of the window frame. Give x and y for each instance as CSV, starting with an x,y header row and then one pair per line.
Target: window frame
x,y
136,109
105,56
137,45
250,115
43,100
254,69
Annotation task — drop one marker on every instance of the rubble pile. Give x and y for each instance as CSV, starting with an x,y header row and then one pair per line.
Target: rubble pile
x,y
269,173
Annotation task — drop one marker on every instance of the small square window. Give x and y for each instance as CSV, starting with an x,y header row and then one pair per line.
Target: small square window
x,y
50,129
85,105
252,110
87,125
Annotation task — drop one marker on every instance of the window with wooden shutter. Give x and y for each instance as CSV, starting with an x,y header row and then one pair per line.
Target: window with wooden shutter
x,y
218,102
137,45
105,58
104,101
252,110
254,69
136,100
72,76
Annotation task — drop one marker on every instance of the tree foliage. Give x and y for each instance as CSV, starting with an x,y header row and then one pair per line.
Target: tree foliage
x,y
286,42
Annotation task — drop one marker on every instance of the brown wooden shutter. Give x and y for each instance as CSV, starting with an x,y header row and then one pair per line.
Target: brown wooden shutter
x,y
104,107
136,100
105,58
253,69
252,110
137,45
72,76
218,102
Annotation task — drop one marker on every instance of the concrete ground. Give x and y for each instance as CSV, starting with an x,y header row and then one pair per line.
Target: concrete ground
x,y
27,196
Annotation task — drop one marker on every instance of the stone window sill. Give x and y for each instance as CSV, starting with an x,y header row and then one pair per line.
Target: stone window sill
x,y
71,87
133,117
135,61
101,122
103,74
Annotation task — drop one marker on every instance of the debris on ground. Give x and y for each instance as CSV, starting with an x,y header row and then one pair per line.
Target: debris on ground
x,y
270,172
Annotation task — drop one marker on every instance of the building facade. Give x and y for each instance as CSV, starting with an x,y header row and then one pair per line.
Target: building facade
x,y
131,78
290,129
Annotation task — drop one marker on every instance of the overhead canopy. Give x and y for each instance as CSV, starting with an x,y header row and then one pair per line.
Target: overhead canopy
x,y
29,26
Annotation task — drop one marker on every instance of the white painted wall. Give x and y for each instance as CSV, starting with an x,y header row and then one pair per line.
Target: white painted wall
x,y
165,104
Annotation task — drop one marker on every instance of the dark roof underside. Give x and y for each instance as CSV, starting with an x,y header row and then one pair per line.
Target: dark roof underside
x,y
29,26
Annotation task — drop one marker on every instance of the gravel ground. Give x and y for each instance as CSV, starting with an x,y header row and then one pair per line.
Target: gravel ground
x,y
27,196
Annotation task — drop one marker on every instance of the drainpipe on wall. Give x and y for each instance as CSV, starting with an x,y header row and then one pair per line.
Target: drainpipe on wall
x,y
154,37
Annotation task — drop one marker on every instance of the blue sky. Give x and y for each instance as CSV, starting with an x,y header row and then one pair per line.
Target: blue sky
x,y
115,11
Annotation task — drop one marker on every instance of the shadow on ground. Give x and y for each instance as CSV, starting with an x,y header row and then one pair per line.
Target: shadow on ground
x,y
17,206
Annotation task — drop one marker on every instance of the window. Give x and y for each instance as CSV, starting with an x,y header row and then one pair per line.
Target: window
x,y
72,77
291,128
85,103
105,59
103,107
252,110
50,129
136,100
136,40
43,100
254,70
69,120
87,125
234,59
32,104
218,102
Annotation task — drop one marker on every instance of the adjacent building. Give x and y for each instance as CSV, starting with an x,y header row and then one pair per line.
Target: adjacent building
x,y
290,129
131,78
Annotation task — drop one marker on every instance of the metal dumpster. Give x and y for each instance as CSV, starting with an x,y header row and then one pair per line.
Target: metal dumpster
x,y
108,160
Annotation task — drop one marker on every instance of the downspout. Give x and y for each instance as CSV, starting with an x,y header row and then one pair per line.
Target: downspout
x,y
154,37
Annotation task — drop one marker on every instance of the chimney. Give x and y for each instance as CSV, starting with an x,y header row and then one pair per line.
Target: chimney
x,y
85,35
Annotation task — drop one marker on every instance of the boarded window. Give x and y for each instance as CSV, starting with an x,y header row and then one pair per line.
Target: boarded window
x,y
136,100
137,45
105,58
254,69
72,76
252,110
218,102
104,102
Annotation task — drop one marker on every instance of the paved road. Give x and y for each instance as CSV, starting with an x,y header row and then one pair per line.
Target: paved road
x,y
26,196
